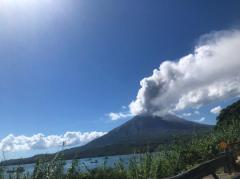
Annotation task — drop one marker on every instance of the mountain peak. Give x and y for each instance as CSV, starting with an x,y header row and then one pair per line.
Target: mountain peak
x,y
144,128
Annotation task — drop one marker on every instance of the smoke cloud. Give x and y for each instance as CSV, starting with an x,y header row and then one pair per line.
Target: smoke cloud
x,y
210,73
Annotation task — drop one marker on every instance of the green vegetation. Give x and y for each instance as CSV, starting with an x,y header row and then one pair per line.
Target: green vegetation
x,y
229,115
167,160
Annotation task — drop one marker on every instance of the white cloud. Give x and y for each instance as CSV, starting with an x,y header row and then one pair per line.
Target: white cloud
x,y
216,110
197,112
124,107
186,114
208,74
201,119
115,116
14,143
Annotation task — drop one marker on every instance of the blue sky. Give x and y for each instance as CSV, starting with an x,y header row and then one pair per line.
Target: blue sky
x,y
64,65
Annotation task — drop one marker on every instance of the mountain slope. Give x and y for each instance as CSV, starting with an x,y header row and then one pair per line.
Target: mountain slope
x,y
136,134
142,129
132,136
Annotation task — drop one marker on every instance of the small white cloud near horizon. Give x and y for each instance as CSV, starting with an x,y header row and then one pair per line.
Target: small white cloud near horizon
x,y
120,115
124,107
197,112
216,110
186,114
12,143
202,119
